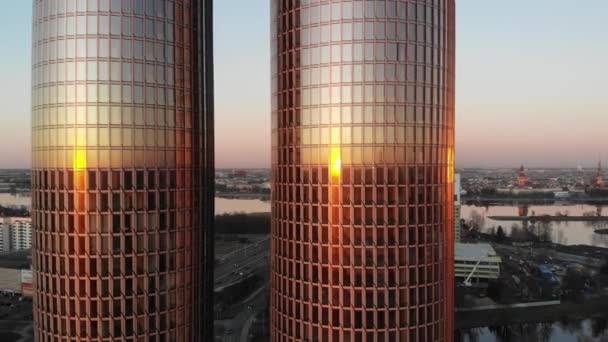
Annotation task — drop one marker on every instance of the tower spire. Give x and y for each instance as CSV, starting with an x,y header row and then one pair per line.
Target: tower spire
x,y
599,177
523,180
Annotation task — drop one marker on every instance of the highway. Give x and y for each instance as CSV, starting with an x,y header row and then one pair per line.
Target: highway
x,y
243,261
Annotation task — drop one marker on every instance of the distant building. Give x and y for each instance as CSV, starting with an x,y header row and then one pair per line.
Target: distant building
x,y
528,191
5,237
598,187
21,234
15,273
239,173
457,207
523,180
15,234
599,176
10,280
477,258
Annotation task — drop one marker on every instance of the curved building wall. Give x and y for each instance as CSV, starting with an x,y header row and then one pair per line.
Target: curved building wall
x,y
118,170
362,160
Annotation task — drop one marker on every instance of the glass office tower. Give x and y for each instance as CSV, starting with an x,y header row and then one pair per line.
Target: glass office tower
x,y
362,160
122,133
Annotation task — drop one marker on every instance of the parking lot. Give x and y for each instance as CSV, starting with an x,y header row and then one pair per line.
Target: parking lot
x,y
532,275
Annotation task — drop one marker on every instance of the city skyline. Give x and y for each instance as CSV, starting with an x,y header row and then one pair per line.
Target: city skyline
x,y
515,107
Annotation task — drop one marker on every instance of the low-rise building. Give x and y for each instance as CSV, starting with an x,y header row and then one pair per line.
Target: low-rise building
x,y
477,260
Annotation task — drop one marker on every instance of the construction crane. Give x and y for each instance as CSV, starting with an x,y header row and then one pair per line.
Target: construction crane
x,y
467,282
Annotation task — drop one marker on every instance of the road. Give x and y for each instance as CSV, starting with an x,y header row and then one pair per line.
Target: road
x,y
241,323
246,260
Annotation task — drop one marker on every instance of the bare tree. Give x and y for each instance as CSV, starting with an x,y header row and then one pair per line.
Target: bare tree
x,y
561,238
476,221
545,231
517,234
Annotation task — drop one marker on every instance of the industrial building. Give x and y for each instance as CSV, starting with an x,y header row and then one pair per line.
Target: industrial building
x,y
16,273
476,263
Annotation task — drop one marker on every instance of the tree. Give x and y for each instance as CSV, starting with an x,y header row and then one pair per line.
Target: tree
x,y
604,269
492,232
545,231
500,235
599,326
476,221
574,283
518,233
495,290
561,238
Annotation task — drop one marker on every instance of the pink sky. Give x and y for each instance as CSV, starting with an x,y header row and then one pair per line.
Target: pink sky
x,y
531,84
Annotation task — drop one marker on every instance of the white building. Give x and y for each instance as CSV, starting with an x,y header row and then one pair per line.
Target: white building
x,y
15,234
480,259
457,207
5,237
21,234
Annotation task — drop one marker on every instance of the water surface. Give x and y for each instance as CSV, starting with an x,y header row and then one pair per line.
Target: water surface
x,y
566,233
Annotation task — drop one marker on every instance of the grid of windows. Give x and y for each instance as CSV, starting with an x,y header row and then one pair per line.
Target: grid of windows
x,y
363,144
116,180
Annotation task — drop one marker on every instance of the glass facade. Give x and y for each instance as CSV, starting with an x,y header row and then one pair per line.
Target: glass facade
x,y
362,161
122,158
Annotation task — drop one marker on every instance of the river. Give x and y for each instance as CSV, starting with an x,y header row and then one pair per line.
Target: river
x,y
563,331
222,205
566,233
227,206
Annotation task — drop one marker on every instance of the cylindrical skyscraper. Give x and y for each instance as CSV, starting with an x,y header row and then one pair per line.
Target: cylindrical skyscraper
x,y
122,120
362,160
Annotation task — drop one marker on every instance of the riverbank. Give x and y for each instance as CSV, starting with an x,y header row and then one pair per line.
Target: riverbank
x,y
501,200
564,231
243,196
590,307
550,218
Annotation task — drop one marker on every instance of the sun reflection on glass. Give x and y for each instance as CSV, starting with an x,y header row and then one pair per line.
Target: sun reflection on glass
x,y
80,159
336,162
